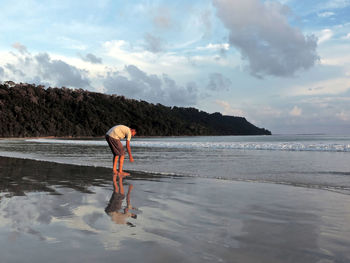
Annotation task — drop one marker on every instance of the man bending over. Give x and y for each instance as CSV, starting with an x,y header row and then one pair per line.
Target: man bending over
x,y
113,137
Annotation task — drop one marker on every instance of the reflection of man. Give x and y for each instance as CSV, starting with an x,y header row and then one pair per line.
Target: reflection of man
x,y
114,208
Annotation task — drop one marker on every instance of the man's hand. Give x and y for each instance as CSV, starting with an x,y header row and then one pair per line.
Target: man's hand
x,y
131,159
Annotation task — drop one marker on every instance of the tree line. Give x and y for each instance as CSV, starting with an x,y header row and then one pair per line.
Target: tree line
x,y
29,110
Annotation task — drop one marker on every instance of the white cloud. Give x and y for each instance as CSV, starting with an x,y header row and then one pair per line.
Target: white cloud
x,y
178,65
296,111
125,54
55,70
210,46
325,35
326,14
2,72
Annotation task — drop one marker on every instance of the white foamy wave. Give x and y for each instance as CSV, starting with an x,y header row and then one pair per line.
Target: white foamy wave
x,y
249,146
269,146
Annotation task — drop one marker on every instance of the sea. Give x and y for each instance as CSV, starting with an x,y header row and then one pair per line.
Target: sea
x,y
311,161
278,198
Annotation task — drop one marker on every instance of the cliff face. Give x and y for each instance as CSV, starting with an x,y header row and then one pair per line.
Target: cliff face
x,y
28,111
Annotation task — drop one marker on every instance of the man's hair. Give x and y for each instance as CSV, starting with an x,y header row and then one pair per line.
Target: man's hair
x,y
133,126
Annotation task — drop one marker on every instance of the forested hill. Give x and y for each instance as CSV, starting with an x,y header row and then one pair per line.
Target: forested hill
x,y
28,110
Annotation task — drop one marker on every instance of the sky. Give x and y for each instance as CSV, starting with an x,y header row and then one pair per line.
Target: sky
x,y
284,65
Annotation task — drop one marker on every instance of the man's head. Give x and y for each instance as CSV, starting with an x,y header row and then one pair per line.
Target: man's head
x,y
133,132
133,129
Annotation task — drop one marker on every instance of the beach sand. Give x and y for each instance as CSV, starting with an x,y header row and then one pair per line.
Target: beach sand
x,y
53,212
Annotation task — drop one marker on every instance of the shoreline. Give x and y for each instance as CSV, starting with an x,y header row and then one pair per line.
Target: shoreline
x,y
147,174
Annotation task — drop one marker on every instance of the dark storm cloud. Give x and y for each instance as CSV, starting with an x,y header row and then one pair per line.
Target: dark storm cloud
x,y
264,37
91,58
217,82
134,83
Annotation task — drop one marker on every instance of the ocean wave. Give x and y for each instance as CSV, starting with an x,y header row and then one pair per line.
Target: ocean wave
x,y
269,146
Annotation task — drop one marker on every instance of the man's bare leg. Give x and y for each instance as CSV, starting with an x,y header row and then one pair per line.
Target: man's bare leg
x,y
121,162
115,162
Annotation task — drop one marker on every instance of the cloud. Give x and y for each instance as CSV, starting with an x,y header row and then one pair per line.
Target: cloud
x,y
91,58
21,48
2,72
325,35
222,48
217,82
296,111
264,37
335,4
170,63
326,14
228,110
41,69
14,70
60,72
134,83
153,44
210,46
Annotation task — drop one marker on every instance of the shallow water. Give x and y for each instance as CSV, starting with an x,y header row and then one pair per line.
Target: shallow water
x,y
313,161
51,212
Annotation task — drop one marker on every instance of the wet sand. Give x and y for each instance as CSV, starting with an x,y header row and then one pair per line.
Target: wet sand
x,y
64,213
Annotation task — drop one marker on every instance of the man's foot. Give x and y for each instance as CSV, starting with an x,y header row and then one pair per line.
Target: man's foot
x,y
115,172
123,174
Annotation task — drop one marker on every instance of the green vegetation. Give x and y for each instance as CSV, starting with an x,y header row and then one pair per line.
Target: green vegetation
x,y
27,110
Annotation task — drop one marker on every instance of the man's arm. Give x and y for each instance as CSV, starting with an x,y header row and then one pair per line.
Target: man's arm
x,y
129,151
